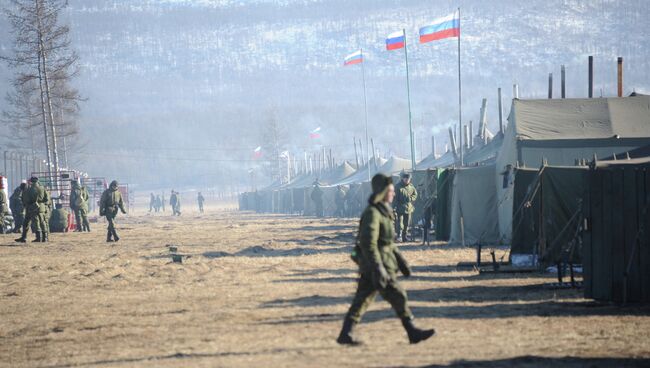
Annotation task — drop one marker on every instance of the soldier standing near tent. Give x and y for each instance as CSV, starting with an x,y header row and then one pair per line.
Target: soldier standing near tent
x,y
405,196
79,205
175,202
34,210
3,210
317,198
17,208
109,204
379,260
158,203
200,200
48,206
340,201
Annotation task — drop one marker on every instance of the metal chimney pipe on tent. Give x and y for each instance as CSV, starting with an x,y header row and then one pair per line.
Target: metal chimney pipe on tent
x,y
515,91
363,162
620,76
500,112
465,137
356,155
550,86
452,142
471,134
563,81
591,77
433,146
482,126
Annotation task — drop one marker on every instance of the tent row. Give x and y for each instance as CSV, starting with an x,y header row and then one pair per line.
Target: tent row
x,y
522,188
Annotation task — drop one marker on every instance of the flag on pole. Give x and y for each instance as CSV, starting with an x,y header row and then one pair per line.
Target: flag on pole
x,y
257,152
395,40
314,134
441,28
354,58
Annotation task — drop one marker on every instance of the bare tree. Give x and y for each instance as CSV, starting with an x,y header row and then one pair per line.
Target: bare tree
x,y
43,64
274,136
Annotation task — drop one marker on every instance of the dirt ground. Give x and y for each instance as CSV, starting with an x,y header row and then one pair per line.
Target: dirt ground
x,y
271,291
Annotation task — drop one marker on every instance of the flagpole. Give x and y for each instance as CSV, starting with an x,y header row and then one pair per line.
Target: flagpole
x,y
408,94
365,107
460,109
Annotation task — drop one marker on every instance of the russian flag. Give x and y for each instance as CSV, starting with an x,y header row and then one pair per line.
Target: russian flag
x,y
257,152
353,58
314,134
441,28
395,41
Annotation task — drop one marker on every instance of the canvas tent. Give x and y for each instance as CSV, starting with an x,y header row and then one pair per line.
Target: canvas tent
x,y
562,131
361,175
431,162
395,165
548,213
616,243
474,207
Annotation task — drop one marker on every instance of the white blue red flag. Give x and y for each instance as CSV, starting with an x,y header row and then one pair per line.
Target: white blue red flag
x,y
441,28
354,58
314,134
257,152
395,40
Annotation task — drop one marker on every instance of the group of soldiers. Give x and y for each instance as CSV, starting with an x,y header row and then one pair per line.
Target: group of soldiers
x,y
346,204
155,203
32,208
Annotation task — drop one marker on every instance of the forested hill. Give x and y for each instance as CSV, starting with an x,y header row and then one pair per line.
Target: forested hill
x,y
208,74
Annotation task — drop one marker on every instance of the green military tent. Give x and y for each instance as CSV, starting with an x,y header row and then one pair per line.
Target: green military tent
x,y
561,132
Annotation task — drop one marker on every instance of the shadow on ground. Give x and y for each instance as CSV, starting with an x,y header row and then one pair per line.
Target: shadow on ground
x,y
496,311
535,361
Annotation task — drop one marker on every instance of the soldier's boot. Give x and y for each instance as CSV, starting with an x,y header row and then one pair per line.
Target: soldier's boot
x,y
109,237
117,238
45,237
87,225
23,238
415,334
2,229
345,337
38,237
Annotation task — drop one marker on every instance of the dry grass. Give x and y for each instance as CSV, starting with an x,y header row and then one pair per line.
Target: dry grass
x,y
270,291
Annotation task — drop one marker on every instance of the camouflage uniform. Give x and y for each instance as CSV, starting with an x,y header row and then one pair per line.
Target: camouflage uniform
x,y
45,219
379,260
317,197
200,199
175,202
79,204
33,197
109,204
17,208
405,196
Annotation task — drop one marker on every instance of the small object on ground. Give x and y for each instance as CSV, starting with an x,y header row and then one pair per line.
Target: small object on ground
x,y
173,248
177,258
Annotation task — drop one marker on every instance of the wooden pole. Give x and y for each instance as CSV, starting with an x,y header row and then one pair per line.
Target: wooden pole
x,y
550,86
